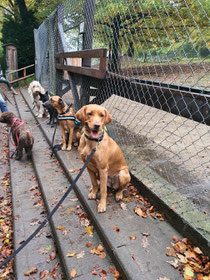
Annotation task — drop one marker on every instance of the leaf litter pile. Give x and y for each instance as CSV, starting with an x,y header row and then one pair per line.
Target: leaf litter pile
x,y
6,231
189,260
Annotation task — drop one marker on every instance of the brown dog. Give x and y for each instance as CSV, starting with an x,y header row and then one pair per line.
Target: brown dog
x,y
21,134
67,126
108,164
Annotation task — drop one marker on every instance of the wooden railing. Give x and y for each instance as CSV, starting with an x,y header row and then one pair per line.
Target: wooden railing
x,y
13,79
88,71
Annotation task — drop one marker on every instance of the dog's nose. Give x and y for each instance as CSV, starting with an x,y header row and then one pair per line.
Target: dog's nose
x,y
96,126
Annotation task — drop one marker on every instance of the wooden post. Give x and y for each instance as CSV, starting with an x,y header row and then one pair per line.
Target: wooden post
x,y
89,10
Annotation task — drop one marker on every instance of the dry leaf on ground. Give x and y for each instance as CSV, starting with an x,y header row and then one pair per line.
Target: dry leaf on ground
x,y
73,273
32,270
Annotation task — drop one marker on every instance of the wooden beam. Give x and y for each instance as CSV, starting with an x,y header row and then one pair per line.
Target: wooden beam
x,y
21,79
15,71
99,74
96,53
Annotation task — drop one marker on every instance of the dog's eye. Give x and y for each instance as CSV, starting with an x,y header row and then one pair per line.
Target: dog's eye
x,y
89,114
102,115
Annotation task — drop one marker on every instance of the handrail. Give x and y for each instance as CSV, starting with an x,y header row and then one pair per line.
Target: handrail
x,y
21,69
13,79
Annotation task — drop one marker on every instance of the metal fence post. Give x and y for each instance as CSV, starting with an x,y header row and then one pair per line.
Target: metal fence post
x,y
89,9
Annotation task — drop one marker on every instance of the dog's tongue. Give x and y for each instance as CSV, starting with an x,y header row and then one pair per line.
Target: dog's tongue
x,y
94,134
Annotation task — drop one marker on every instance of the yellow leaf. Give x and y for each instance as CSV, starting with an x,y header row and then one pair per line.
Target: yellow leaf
x,y
71,254
73,273
89,230
60,227
188,272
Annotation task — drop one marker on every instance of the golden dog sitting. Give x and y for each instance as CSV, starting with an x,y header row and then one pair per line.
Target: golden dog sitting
x,y
108,165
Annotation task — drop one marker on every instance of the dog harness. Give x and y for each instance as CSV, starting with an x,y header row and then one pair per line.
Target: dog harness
x,y
17,123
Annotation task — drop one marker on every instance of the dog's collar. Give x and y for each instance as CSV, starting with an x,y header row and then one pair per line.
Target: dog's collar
x,y
16,121
66,111
87,135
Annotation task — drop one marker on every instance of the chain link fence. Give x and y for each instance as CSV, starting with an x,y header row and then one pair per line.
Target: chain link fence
x,y
156,88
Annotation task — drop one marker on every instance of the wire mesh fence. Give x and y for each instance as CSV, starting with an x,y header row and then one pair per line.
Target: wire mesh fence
x,y
156,88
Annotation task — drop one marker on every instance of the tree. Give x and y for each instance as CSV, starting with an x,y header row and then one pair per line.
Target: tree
x,y
20,17
146,24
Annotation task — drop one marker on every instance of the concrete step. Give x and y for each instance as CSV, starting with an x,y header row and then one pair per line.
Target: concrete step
x,y
70,222
29,212
139,258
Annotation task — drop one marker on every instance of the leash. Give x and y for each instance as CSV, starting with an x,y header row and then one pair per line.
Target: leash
x,y
52,212
7,99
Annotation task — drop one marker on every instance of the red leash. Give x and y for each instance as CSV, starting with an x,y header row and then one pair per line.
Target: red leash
x,y
17,122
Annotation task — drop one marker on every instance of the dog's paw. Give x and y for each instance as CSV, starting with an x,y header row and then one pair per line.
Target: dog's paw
x,y
63,148
119,196
102,207
92,195
39,116
69,148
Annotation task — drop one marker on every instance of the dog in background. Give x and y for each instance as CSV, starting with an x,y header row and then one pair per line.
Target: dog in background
x,y
108,165
21,134
36,91
53,113
70,134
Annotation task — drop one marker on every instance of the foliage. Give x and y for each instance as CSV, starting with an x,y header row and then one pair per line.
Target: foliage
x,y
148,25
20,17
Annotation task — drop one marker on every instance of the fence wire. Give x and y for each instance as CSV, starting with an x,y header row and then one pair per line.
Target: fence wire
x,y
157,88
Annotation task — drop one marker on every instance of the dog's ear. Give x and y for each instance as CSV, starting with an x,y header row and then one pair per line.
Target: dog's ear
x,y
108,117
80,115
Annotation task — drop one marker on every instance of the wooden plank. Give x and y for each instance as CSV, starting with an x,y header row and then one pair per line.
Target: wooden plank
x,y
21,79
21,69
96,53
99,74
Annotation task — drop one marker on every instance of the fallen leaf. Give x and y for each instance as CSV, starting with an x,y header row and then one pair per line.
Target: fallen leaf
x,y
80,255
115,228
102,273
145,234
73,273
43,274
132,237
60,227
170,252
139,212
175,238
32,270
123,206
133,257
48,247
94,272
53,255
88,244
188,273
197,250
89,230
174,263
163,278
71,254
